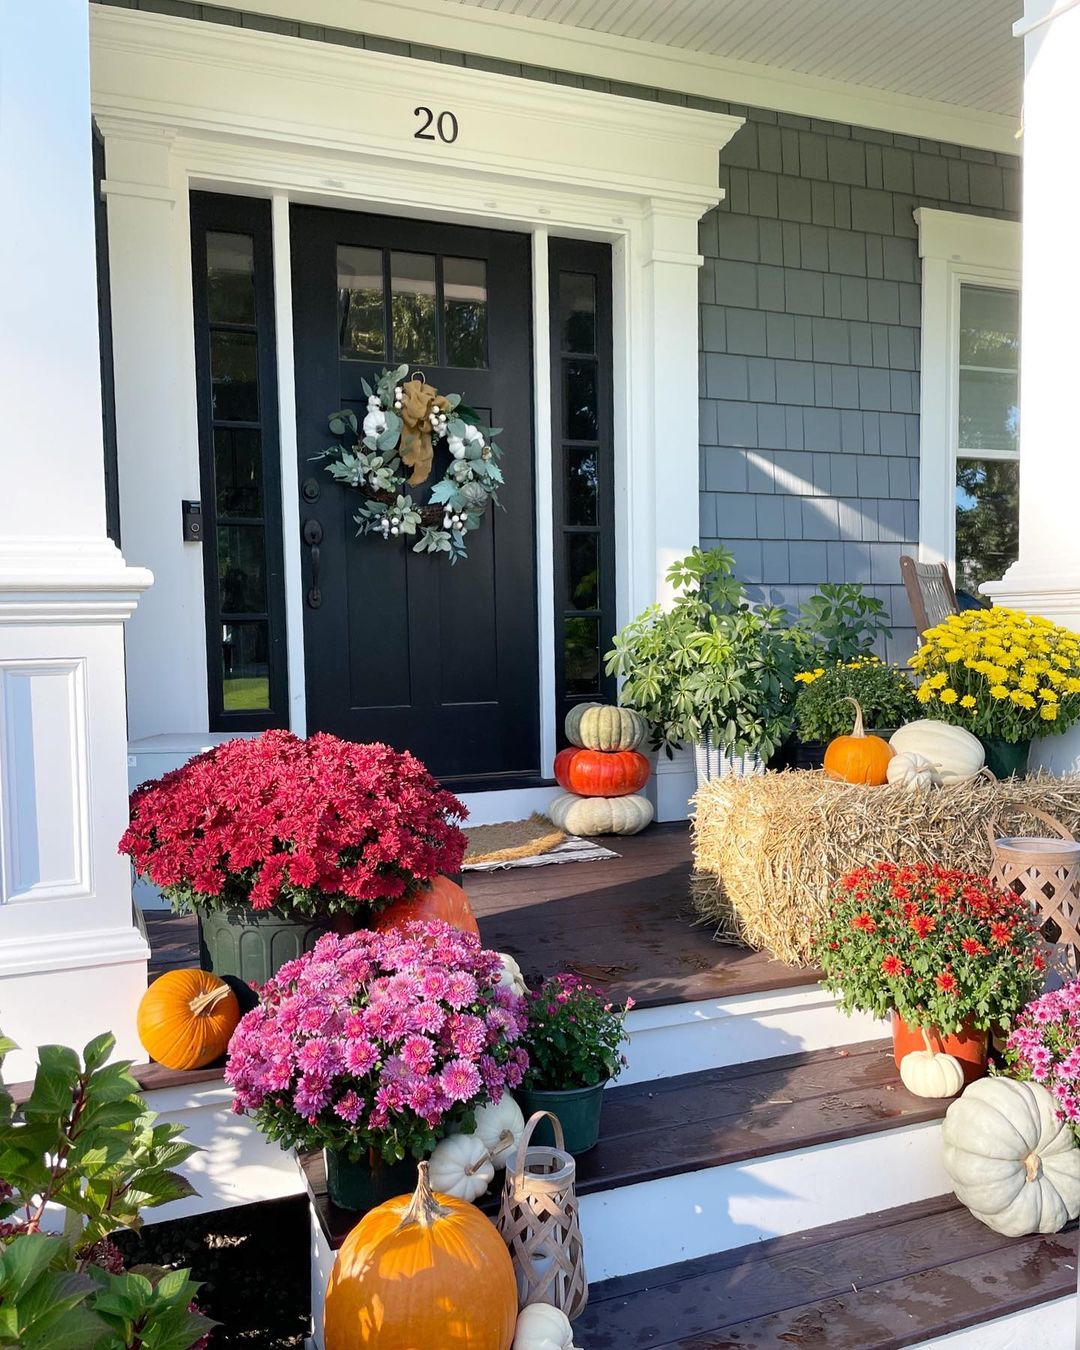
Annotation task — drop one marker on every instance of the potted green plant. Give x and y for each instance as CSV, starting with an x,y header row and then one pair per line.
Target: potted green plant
x,y
711,669
936,949
84,1144
573,1040
273,839
1003,675
840,622
884,692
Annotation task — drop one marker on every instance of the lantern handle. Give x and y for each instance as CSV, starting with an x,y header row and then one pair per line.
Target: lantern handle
x,y
527,1133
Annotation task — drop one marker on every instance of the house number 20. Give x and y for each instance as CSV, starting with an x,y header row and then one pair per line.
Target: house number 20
x,y
445,124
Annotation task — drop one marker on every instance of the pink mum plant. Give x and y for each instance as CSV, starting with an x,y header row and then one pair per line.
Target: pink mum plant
x,y
382,1041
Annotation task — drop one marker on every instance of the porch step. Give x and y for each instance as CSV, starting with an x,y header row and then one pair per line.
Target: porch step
x,y
906,1276
718,1158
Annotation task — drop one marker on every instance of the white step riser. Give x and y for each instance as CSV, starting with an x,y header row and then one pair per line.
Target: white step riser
x,y
678,1038
1048,1326
238,1166
657,1223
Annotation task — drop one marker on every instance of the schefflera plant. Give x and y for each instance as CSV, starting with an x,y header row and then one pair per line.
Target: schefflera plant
x,y
85,1150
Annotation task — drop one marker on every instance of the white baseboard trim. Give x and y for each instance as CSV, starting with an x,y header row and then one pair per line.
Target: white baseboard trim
x,y
720,1208
678,1038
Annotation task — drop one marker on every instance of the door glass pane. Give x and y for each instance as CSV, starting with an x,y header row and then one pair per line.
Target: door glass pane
x,y
245,666
987,516
230,278
579,400
581,572
241,569
465,311
582,656
413,307
361,316
989,327
234,374
581,486
989,410
238,471
577,312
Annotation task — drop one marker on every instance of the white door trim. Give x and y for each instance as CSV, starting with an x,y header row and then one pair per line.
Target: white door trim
x,y
253,113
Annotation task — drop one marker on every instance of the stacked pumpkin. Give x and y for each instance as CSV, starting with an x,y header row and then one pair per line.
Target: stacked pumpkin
x,y
602,772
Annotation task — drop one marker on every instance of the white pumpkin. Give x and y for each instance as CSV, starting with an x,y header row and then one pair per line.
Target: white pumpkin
x,y
928,1074
542,1327
911,771
955,754
600,815
511,975
500,1126
1011,1160
461,1166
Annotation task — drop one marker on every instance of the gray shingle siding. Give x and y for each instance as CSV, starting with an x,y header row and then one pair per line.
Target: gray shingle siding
x,y
812,446
810,311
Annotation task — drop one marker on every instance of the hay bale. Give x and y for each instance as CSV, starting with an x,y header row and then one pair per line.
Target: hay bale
x,y
768,848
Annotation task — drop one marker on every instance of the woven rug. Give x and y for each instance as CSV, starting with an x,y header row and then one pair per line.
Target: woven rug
x,y
526,843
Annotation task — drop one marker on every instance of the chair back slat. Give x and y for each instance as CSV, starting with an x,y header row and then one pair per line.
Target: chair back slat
x,y
930,592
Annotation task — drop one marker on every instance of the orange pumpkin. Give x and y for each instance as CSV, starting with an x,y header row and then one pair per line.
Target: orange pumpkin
x,y
858,758
443,899
601,773
186,1018
422,1272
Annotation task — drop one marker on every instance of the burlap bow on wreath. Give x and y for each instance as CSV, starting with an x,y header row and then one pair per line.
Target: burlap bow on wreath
x,y
416,448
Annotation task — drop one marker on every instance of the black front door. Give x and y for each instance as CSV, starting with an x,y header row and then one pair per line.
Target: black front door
x,y
403,647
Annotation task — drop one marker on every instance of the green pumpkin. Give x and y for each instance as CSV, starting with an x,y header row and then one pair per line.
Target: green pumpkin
x,y
598,726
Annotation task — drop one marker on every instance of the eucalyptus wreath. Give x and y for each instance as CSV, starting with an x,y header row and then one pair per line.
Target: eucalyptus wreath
x,y
391,451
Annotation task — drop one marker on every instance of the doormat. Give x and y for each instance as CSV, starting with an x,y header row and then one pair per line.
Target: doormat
x,y
526,843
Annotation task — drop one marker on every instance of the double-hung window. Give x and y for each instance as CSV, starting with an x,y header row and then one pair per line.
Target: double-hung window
x,y
970,413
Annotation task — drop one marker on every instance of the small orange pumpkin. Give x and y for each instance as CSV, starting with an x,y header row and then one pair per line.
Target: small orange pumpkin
x,y
858,758
422,1272
186,1018
442,899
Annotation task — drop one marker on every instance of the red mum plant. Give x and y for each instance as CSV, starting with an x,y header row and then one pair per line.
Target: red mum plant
x,y
316,826
943,948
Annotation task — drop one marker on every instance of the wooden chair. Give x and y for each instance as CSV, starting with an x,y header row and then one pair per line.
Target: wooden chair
x,y
930,592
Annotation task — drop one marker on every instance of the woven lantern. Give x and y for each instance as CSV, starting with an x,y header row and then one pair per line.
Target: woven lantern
x,y
1045,871
538,1220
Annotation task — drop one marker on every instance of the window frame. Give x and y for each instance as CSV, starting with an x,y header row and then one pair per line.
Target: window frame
x,y
957,250
594,260
216,213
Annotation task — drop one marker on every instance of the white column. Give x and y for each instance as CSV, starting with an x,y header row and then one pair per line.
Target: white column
x,y
1046,579
71,961
156,422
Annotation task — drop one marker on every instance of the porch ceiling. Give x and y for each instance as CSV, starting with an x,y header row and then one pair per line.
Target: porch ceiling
x,y
960,52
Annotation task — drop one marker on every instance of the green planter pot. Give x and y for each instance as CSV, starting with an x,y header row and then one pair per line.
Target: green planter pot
x,y
367,1183
251,945
578,1110
1005,759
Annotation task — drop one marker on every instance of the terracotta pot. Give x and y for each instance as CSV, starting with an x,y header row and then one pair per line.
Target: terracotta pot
x,y
970,1047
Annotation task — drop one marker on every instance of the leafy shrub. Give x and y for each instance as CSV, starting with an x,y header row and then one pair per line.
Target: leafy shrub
x,y
885,694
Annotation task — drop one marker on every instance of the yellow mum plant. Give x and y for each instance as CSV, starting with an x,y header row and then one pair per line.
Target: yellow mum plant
x,y
1000,673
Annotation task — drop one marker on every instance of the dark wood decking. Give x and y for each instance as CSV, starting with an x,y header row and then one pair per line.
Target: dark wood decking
x,y
878,1282
723,1116
625,923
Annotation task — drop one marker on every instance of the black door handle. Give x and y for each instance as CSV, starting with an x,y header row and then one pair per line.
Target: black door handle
x,y
313,537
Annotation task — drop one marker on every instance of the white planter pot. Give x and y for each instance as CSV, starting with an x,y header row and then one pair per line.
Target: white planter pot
x,y
712,761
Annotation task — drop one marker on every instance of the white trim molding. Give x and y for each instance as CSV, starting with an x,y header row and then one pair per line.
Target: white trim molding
x,y
187,105
956,249
452,26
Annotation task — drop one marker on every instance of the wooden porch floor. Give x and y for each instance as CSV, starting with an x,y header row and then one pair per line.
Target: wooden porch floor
x,y
624,923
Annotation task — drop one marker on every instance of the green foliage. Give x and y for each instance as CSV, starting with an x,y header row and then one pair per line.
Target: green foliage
x,y
884,691
85,1142
841,623
574,1036
710,665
